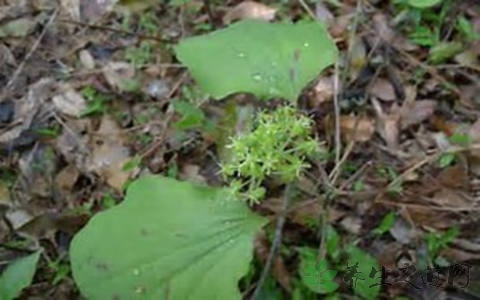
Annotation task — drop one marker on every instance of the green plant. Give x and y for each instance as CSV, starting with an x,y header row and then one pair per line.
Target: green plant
x,y
438,241
315,274
386,224
96,101
176,240
277,147
268,60
18,276
61,270
149,247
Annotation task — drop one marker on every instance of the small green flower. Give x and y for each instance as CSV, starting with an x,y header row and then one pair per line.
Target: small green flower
x,y
277,147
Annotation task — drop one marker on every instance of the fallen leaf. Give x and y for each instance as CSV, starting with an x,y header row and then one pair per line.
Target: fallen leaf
x,y
357,57
18,28
323,91
191,173
109,154
119,74
38,167
382,89
467,58
92,10
358,129
69,102
388,124
67,177
250,10
417,112
71,8
86,59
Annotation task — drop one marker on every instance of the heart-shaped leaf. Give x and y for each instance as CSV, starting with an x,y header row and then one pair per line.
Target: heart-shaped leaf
x,y
167,240
268,60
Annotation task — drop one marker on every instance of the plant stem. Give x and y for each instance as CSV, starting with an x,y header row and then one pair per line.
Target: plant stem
x,y
277,240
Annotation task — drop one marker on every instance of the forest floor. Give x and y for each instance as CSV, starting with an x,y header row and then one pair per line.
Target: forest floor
x,y
92,97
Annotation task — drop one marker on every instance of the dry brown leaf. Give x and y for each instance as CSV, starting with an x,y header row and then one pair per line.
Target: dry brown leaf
x,y
474,154
71,8
451,198
357,57
118,74
190,172
388,124
382,89
250,10
109,154
382,28
86,59
66,178
417,112
323,91
69,102
358,129
92,10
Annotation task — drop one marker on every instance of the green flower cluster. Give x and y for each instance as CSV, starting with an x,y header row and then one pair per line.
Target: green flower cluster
x,y
277,147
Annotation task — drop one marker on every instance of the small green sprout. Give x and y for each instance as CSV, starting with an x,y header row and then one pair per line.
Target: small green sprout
x,y
277,147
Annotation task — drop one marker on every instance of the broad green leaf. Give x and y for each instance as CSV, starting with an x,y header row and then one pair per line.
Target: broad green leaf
x,y
423,3
18,276
365,263
167,240
268,60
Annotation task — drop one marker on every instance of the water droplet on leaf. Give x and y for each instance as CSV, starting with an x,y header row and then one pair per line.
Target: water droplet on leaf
x,y
257,77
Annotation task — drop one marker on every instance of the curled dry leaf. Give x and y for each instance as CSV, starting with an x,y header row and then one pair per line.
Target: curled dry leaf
x,y
69,102
388,124
250,10
382,89
358,129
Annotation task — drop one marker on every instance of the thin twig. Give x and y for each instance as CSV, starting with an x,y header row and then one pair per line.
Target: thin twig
x,y
277,239
19,70
307,9
338,142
